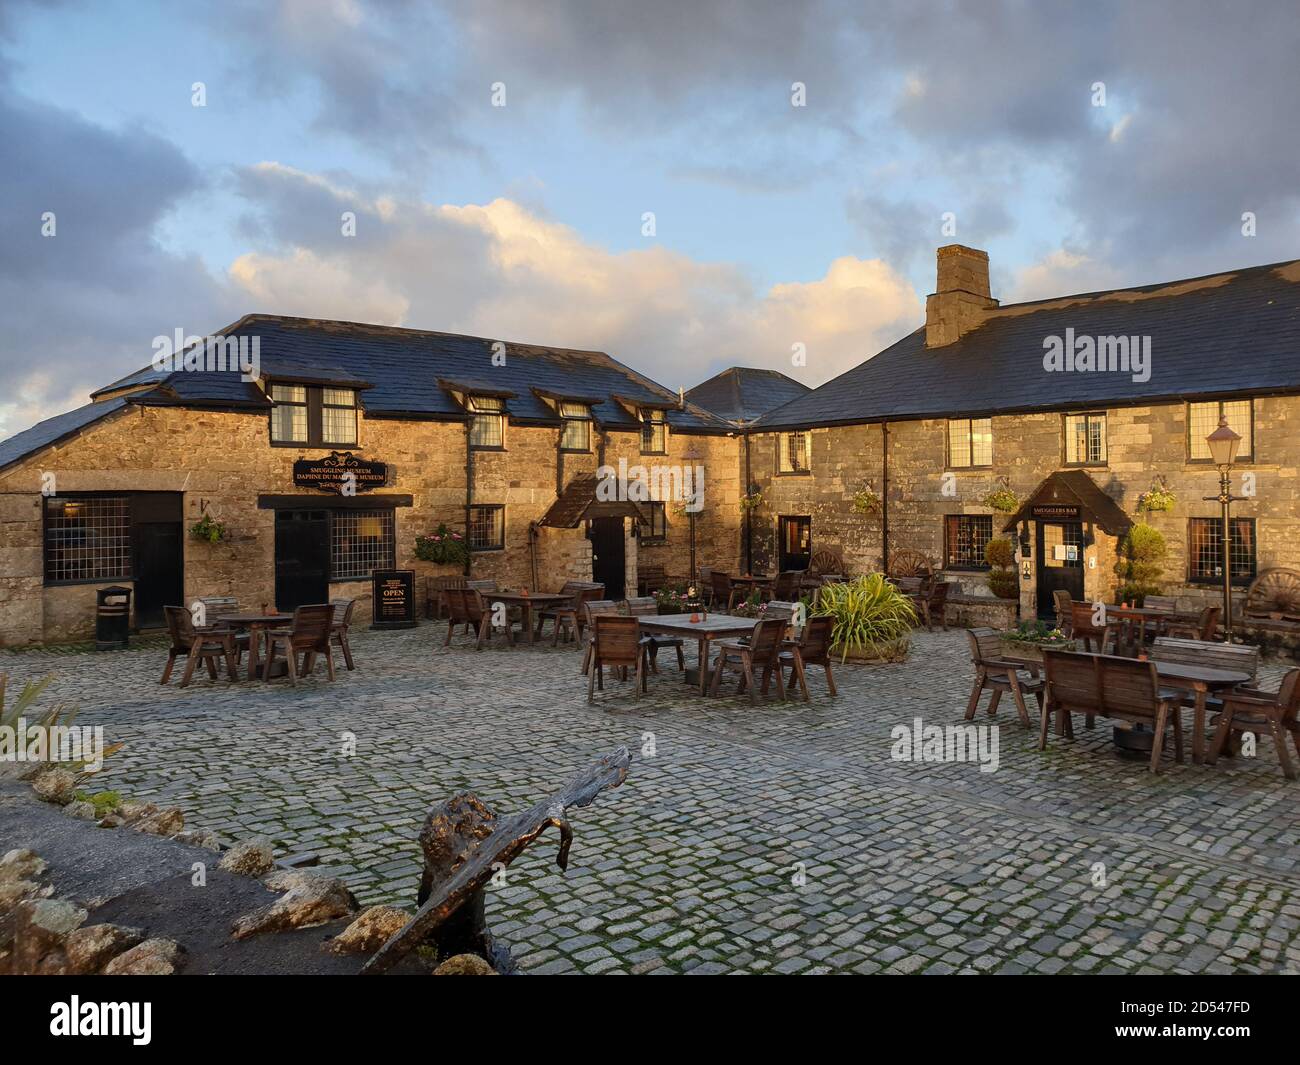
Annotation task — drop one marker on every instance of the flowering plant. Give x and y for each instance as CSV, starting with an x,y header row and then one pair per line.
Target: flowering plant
x,y
866,502
1158,498
444,546
1002,498
209,529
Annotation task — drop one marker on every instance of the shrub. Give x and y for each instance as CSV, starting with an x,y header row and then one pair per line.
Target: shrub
x,y
872,617
1142,554
44,718
209,529
1000,554
444,546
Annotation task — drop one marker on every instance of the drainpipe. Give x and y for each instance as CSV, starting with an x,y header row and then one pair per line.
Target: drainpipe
x,y
749,528
884,496
469,491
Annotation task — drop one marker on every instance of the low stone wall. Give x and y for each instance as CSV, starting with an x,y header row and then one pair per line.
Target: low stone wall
x,y
981,611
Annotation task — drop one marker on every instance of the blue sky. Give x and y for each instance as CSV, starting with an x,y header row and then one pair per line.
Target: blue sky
x,y
775,224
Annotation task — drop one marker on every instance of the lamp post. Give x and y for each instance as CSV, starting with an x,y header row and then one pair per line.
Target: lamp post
x,y
1223,451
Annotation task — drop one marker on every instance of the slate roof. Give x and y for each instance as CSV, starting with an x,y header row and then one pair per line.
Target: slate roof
x,y
742,393
578,502
1232,333
52,430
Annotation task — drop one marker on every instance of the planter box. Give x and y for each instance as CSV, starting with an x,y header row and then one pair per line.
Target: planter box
x,y
1034,651
897,652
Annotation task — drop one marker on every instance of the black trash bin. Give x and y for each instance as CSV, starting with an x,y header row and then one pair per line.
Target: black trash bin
x,y
112,618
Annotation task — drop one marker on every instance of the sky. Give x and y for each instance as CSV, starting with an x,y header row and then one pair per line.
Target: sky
x,y
685,184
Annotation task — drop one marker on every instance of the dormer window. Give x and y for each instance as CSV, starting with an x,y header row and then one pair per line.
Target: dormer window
x,y
311,416
487,422
576,433
654,432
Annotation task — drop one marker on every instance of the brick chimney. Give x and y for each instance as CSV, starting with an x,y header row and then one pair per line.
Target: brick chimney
x,y
961,299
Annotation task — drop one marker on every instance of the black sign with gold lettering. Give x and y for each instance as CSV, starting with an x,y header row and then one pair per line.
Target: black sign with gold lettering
x,y
393,599
1056,512
341,473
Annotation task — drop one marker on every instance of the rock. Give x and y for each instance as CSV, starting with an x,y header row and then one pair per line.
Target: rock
x,y
111,821
311,897
249,857
131,810
162,823
21,865
55,785
40,928
12,892
93,946
83,810
465,965
153,957
200,837
370,931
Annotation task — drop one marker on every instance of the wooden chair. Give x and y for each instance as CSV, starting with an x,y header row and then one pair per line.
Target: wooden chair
x,y
762,649
435,602
1064,614
589,611
616,642
1127,689
206,645
465,606
643,607
813,648
1083,630
216,608
1250,710
650,577
999,675
786,585
779,608
341,630
933,602
1161,602
569,616
485,585
723,591
309,635
1204,628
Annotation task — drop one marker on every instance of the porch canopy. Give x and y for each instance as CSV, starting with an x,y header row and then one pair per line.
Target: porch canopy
x,y
1071,495
578,503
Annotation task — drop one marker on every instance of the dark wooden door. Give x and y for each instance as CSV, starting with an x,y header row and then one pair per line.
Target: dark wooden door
x,y
794,538
608,555
1056,539
159,550
302,558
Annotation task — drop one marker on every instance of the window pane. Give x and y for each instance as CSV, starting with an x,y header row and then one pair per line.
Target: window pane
x,y
1096,438
959,443
1239,421
87,539
486,403
966,535
1085,438
361,541
794,452
486,527
654,436
339,397
981,431
288,423
1205,549
1202,420
289,393
339,425
486,430
576,435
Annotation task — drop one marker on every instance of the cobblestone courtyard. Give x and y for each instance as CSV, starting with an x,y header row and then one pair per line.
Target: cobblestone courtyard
x,y
692,865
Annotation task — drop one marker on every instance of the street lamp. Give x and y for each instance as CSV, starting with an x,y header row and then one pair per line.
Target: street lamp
x,y
1223,451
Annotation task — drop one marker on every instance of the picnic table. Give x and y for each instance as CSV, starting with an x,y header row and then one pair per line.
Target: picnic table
x,y
708,628
527,601
256,624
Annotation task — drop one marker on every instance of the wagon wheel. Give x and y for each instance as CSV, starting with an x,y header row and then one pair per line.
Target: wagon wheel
x,y
1275,590
824,561
909,563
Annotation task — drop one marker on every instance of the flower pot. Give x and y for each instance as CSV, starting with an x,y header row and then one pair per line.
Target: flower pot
x,y
889,652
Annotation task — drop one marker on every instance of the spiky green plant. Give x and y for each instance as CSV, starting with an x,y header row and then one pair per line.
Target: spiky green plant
x,y
47,717
872,617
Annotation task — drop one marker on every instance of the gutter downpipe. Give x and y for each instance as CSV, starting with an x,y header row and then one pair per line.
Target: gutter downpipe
x,y
749,516
469,489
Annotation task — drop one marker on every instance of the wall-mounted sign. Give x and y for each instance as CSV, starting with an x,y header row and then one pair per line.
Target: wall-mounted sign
x,y
338,472
1055,511
393,599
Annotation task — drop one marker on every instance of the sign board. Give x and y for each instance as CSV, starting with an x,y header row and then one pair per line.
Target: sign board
x,y
339,472
1055,512
393,599
1066,552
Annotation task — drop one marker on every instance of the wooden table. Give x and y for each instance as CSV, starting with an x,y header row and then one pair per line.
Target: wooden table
x,y
703,632
541,600
1201,680
255,624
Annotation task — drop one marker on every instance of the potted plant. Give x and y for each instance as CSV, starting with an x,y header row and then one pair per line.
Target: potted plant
x,y
751,501
209,529
1030,638
1158,497
1002,498
1000,554
672,599
444,547
873,619
866,502
1142,554
752,606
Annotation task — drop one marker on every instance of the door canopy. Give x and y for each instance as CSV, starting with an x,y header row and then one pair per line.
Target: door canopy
x,y
1071,495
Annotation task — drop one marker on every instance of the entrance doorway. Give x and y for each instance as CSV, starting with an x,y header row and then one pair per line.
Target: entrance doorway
x,y
302,558
158,555
794,540
608,555
1060,563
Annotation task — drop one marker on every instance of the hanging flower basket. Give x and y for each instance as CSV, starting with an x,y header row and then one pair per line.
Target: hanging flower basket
x,y
1159,498
752,501
866,503
444,547
1002,499
209,529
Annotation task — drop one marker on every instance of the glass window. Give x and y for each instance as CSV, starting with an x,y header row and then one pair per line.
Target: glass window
x,y
87,539
654,432
576,434
796,452
657,530
312,416
361,541
1085,439
338,416
964,538
1203,419
289,414
1205,549
970,442
487,527
487,421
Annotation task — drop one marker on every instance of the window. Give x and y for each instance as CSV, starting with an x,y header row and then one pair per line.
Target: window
x,y
87,539
576,434
657,531
1203,419
487,422
795,452
308,416
654,432
964,538
970,442
1085,439
1205,550
361,541
487,528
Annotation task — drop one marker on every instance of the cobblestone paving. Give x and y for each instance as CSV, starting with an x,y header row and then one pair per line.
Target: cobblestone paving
x,y
776,838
